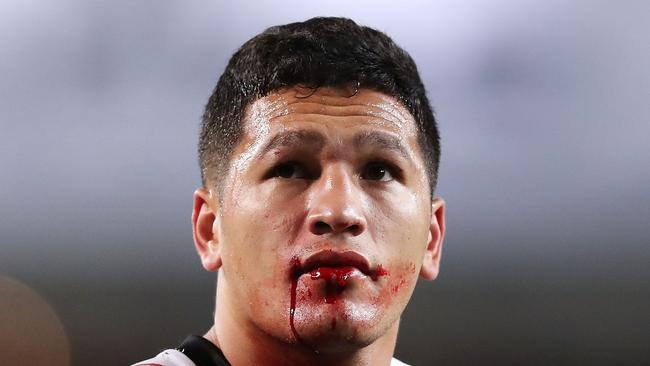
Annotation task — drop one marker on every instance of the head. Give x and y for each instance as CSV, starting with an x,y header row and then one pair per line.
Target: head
x,y
319,155
320,52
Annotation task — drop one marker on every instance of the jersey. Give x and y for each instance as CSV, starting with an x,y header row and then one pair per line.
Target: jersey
x,y
198,351
194,351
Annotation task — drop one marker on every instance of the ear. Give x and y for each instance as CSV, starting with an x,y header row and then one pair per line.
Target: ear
x,y
431,263
205,229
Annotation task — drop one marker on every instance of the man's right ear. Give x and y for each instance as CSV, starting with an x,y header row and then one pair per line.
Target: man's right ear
x,y
205,229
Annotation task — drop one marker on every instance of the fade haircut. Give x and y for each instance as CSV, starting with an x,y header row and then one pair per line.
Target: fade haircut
x,y
320,52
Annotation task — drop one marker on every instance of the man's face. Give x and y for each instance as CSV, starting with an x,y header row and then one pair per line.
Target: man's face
x,y
325,214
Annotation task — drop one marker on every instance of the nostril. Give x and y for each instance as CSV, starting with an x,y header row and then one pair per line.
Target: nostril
x,y
329,225
321,227
354,229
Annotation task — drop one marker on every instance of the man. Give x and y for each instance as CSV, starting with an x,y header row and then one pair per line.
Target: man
x,y
319,155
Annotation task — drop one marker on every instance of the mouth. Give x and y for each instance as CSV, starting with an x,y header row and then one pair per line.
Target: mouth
x,y
331,264
333,259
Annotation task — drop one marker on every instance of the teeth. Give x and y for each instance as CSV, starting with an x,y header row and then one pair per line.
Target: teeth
x,y
335,275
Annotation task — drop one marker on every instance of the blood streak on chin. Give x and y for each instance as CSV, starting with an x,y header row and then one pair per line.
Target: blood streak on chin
x,y
295,273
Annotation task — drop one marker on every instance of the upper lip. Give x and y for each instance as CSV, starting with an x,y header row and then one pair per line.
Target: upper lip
x,y
332,258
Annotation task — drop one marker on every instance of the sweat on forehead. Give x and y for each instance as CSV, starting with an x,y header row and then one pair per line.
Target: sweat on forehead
x,y
332,102
296,120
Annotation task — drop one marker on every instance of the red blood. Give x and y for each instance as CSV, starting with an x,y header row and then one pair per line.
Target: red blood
x,y
335,278
338,275
401,283
333,323
379,272
295,265
332,296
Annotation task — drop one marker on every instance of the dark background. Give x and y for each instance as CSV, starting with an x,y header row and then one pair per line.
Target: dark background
x,y
545,120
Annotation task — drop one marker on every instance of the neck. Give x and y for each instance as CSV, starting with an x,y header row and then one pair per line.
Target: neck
x,y
244,344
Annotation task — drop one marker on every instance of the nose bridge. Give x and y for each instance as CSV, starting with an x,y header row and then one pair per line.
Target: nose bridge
x,y
337,183
335,204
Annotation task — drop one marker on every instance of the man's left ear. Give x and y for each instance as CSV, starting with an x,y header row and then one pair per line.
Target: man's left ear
x,y
431,261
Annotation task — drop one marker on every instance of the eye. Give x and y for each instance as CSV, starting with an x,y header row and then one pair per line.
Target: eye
x,y
290,170
378,171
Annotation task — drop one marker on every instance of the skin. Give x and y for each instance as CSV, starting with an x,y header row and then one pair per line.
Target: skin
x,y
343,173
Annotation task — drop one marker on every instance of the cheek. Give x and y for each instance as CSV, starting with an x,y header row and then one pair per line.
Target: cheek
x,y
399,285
256,218
401,226
257,251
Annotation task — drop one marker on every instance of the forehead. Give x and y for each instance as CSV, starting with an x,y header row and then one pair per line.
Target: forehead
x,y
332,111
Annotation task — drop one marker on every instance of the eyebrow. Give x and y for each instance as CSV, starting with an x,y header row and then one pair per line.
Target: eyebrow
x,y
380,140
294,138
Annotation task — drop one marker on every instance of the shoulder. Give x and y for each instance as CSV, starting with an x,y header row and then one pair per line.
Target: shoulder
x,y
169,357
396,362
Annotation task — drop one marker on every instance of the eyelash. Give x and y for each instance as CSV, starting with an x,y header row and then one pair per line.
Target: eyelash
x,y
393,170
276,172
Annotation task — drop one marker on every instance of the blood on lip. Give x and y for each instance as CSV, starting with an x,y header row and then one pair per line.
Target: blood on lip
x,y
379,272
333,275
336,278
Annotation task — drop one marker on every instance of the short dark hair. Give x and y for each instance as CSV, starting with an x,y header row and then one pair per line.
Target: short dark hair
x,y
320,52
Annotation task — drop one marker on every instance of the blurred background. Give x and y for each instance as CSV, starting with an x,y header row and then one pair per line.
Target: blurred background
x,y
544,112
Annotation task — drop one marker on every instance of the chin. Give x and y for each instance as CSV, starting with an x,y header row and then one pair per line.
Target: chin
x,y
339,340
335,332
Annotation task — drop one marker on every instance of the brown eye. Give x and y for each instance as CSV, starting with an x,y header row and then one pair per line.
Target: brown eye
x,y
288,171
377,171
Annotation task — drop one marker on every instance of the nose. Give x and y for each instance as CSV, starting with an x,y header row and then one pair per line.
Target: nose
x,y
335,205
